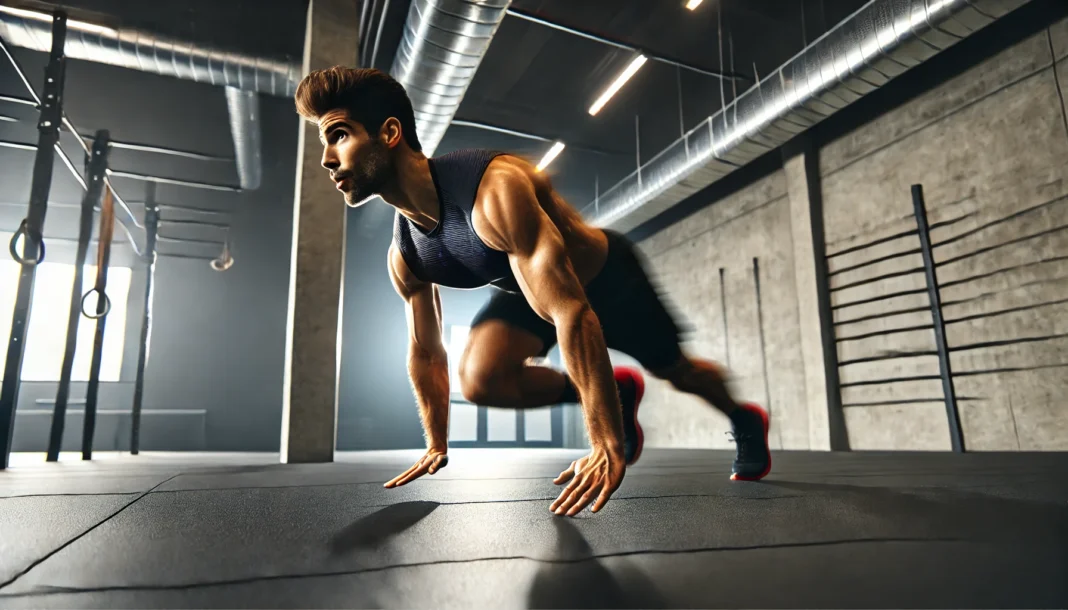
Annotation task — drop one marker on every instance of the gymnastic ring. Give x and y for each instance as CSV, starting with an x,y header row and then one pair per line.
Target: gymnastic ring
x,y
107,304
24,231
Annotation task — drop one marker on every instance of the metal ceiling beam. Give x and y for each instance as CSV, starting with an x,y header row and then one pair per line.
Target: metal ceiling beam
x,y
863,53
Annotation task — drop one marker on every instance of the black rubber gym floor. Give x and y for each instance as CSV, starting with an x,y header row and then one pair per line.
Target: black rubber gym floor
x,y
824,530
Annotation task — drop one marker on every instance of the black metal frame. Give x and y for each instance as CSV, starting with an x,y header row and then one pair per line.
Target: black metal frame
x,y
151,227
956,435
33,229
98,164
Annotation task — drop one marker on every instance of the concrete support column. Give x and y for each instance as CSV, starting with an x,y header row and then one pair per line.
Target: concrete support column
x,y
313,346
822,396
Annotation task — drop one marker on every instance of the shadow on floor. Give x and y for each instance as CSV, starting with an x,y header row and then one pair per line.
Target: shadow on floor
x,y
587,583
372,531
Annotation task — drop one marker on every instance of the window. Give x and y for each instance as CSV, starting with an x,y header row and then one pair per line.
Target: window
x,y
457,343
463,416
47,334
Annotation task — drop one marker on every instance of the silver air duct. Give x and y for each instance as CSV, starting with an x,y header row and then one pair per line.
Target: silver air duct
x,y
867,50
443,44
149,53
244,107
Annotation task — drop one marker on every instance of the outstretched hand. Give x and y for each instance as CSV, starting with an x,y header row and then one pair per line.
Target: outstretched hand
x,y
432,462
599,475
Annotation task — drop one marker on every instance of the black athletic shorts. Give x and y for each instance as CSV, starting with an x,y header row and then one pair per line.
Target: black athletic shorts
x,y
633,317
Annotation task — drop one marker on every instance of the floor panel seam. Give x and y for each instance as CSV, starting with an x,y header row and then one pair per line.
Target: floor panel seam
x,y
66,544
71,495
44,590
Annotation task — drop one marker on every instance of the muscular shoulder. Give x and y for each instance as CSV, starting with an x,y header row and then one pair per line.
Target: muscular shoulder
x,y
507,201
507,173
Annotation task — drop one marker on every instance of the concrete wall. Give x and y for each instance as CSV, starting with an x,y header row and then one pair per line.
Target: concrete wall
x,y
708,267
989,146
990,149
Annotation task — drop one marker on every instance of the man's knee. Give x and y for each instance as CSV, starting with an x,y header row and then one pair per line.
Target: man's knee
x,y
481,381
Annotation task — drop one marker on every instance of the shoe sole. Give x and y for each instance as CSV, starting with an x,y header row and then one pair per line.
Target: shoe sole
x,y
766,418
639,391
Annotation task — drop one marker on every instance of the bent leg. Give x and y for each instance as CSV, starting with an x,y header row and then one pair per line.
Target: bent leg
x,y
494,370
702,378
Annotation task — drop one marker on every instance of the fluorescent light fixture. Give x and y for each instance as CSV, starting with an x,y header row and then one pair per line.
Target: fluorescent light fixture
x,y
71,23
549,156
616,85
692,4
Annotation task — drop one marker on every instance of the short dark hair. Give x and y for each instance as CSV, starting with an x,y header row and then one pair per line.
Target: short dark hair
x,y
371,96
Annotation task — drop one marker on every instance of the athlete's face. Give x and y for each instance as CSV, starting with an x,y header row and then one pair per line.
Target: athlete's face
x,y
360,165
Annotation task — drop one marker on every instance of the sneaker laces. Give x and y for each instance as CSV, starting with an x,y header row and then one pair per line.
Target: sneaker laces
x,y
741,440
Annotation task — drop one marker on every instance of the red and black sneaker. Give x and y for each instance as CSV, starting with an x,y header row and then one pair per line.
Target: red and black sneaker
x,y
750,426
631,389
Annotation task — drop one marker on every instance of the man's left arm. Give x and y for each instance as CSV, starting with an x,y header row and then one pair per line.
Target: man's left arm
x,y
509,218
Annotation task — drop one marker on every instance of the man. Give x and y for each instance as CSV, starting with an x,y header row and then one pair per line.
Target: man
x,y
473,218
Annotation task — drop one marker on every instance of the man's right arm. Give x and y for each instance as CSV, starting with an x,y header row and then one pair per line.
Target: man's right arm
x,y
428,366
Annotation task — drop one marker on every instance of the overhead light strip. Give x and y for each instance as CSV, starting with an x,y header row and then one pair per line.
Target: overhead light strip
x,y
556,149
616,85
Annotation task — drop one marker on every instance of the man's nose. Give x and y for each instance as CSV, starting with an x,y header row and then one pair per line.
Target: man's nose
x,y
330,162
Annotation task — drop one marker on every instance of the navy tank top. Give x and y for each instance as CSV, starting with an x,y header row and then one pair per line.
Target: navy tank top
x,y
452,254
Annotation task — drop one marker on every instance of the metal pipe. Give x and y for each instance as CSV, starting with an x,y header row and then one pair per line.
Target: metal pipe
x,y
378,34
183,240
17,145
621,45
98,163
51,204
511,132
18,100
193,208
196,257
244,108
441,48
174,152
151,225
366,17
201,223
956,436
175,181
32,229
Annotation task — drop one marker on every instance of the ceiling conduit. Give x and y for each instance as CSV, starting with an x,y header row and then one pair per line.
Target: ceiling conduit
x,y
145,52
443,44
867,50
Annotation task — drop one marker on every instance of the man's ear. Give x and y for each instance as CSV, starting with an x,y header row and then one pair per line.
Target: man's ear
x,y
391,132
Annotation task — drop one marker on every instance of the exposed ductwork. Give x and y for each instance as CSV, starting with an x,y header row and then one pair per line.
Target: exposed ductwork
x,y
149,53
867,50
244,107
443,44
